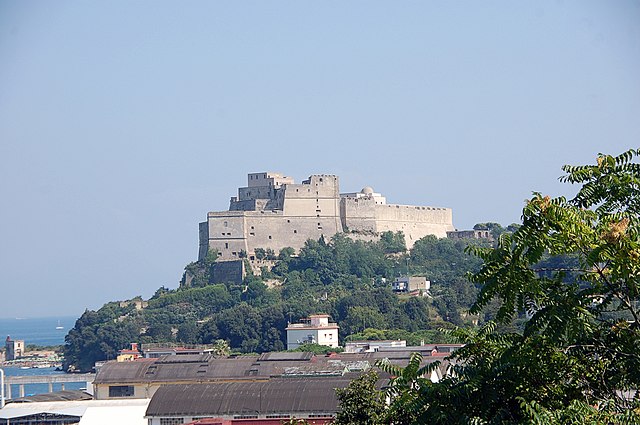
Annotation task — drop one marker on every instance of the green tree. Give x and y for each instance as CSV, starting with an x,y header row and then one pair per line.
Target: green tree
x,y
393,242
577,356
187,333
261,253
359,318
361,402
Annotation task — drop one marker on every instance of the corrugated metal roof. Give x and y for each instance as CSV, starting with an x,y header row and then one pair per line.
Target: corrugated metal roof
x,y
284,355
71,408
237,398
265,366
186,358
65,395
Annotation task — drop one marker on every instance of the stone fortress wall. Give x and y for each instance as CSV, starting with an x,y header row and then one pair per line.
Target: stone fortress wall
x,y
273,212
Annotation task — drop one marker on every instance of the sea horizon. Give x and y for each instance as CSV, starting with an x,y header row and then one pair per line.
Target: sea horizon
x,y
41,331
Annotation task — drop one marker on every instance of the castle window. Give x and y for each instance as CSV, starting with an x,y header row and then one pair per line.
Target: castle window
x,y
251,227
234,253
226,246
295,231
288,221
252,234
269,236
225,224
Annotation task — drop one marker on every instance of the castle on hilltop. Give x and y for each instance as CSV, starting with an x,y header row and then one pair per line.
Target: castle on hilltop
x,y
273,212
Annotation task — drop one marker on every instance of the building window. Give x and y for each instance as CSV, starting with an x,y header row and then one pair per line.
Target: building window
x,y
295,231
269,236
171,421
226,245
225,224
121,391
245,417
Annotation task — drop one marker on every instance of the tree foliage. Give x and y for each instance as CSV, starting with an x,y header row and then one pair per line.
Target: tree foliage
x,y
577,358
361,402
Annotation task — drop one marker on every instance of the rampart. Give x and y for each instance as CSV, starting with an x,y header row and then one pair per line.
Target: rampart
x,y
273,212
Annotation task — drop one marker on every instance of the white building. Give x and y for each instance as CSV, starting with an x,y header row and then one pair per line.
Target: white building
x,y
410,284
315,330
373,346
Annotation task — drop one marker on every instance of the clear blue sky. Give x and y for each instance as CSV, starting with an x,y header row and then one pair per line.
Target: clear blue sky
x,y
122,123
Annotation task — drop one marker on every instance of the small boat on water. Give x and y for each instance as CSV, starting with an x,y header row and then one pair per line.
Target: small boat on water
x,y
59,327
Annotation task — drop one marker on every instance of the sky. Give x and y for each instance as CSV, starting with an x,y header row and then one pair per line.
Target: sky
x,y
123,123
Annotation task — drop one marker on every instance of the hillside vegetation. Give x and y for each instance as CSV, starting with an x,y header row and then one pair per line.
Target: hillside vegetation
x,y
350,280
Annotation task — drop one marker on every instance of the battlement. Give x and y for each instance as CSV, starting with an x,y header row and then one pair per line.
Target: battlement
x,y
269,179
273,212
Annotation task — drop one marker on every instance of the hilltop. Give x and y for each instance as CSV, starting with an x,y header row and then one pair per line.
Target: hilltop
x,y
348,279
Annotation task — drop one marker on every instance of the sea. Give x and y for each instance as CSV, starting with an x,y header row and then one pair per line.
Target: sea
x,y
33,389
39,331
